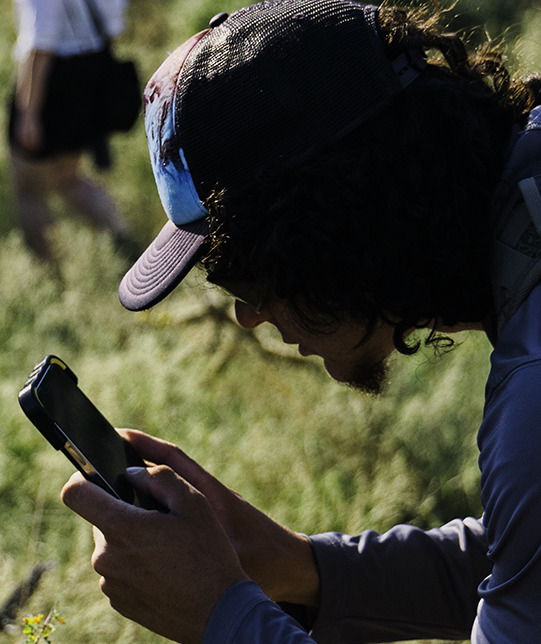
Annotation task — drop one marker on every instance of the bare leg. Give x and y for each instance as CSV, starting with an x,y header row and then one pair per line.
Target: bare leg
x,y
35,181
87,196
32,190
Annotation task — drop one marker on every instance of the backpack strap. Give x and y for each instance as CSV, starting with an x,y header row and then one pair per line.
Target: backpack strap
x,y
516,222
516,262
530,192
98,21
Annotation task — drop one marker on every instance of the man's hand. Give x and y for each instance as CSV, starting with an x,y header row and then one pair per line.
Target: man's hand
x,y
164,571
279,560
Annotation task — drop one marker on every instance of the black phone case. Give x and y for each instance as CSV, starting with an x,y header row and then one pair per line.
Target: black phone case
x,y
32,407
29,400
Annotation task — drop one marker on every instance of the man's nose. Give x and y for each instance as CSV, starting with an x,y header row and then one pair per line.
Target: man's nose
x,y
248,317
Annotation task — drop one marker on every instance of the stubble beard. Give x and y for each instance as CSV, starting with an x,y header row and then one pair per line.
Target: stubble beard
x,y
369,378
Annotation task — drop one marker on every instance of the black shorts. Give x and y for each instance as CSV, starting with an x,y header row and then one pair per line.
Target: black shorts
x,y
71,115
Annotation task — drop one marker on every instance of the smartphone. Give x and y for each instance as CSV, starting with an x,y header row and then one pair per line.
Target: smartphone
x,y
72,424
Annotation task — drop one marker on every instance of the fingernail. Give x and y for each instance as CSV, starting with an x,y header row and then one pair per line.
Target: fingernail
x,y
134,470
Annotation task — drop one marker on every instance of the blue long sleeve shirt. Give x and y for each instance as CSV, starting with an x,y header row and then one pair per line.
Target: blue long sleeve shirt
x,y
478,578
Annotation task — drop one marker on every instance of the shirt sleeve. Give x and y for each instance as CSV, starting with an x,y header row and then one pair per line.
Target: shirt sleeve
x,y
114,15
510,444
245,615
404,584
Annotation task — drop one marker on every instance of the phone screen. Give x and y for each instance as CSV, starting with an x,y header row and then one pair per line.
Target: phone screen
x,y
89,435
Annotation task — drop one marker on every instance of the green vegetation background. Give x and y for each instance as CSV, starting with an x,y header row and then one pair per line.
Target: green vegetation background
x,y
313,454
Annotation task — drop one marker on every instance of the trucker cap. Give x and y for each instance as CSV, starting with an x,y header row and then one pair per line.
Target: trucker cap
x,y
266,86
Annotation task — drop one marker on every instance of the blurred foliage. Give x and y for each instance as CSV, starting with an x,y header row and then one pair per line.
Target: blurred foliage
x,y
313,454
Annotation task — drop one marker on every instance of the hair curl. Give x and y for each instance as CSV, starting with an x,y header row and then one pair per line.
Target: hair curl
x,y
392,221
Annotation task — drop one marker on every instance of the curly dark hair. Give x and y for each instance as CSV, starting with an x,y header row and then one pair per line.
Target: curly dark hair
x,y
392,221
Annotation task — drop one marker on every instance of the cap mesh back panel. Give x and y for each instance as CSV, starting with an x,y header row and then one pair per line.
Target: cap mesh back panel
x,y
275,82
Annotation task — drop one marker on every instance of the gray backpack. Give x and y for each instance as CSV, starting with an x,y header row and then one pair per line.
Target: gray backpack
x,y
516,257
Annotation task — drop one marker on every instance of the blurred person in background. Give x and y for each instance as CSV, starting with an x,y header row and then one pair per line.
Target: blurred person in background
x,y
350,174
60,52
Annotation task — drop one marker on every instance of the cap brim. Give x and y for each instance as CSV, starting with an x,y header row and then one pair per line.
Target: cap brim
x,y
163,265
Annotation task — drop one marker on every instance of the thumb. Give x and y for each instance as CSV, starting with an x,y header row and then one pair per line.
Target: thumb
x,y
91,502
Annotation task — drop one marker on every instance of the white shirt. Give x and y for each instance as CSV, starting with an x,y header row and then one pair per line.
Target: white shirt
x,y
65,27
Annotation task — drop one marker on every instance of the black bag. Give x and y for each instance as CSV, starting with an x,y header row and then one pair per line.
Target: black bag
x,y
120,94
120,91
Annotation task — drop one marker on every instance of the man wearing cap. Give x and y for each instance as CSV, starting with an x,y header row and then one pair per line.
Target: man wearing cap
x,y
348,187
